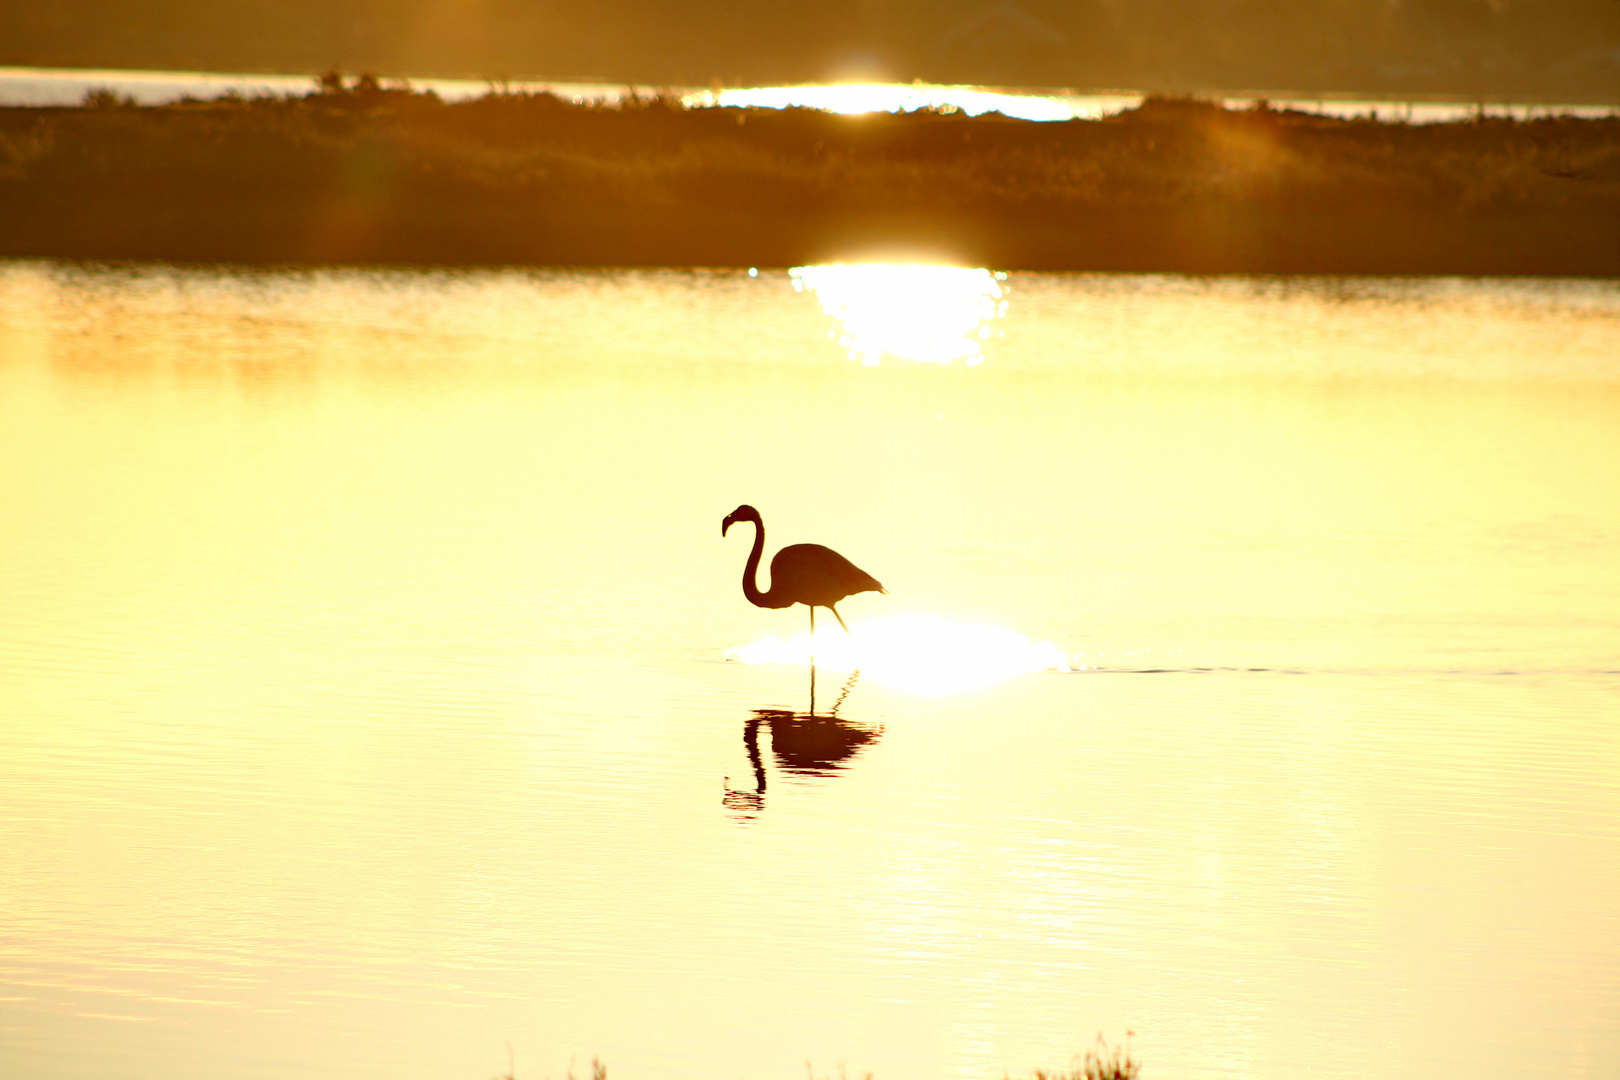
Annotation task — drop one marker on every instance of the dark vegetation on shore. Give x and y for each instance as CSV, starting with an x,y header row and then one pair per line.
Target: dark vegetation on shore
x,y
356,172
1102,1062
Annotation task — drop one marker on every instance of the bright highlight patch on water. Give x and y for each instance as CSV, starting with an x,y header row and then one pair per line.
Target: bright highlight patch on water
x,y
920,654
853,98
932,314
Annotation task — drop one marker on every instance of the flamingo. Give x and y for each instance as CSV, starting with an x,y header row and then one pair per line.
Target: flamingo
x,y
806,574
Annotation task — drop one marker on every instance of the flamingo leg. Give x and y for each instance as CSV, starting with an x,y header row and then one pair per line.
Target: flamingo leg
x,y
839,617
812,659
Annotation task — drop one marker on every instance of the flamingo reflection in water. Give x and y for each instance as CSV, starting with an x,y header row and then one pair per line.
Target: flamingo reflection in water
x,y
804,744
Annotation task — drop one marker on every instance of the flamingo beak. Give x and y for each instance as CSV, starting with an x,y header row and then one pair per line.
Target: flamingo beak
x,y
726,524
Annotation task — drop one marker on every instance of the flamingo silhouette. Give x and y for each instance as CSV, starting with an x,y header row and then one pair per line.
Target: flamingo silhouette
x,y
806,574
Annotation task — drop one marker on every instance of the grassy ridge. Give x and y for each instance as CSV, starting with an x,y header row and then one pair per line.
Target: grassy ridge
x,y
366,174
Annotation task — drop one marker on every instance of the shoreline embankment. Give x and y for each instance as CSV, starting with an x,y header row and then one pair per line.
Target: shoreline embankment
x,y
371,175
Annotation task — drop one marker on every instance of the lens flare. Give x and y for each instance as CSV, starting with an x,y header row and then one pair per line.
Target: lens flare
x,y
920,654
933,314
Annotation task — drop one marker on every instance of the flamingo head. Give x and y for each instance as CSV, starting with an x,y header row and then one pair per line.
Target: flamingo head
x,y
742,513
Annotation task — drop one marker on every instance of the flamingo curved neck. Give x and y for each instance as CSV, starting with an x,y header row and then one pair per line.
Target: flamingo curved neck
x,y
751,571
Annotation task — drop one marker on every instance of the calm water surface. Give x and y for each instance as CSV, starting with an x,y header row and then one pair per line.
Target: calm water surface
x,y
365,701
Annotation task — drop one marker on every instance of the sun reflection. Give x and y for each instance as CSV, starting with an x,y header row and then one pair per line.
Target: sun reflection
x,y
934,314
920,654
852,98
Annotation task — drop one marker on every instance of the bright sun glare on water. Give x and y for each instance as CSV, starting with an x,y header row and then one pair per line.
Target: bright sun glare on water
x,y
933,314
920,654
853,98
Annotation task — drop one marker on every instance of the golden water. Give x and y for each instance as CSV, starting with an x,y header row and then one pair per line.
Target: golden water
x,y
365,704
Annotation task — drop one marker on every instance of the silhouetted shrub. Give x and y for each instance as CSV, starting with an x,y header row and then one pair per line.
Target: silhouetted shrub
x,y
105,97
1102,1062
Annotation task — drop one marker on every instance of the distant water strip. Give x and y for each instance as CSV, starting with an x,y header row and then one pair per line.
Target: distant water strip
x,y
1056,104
68,86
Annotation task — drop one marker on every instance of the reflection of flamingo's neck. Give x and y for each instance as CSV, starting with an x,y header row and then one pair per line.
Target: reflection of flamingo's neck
x,y
751,740
751,568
